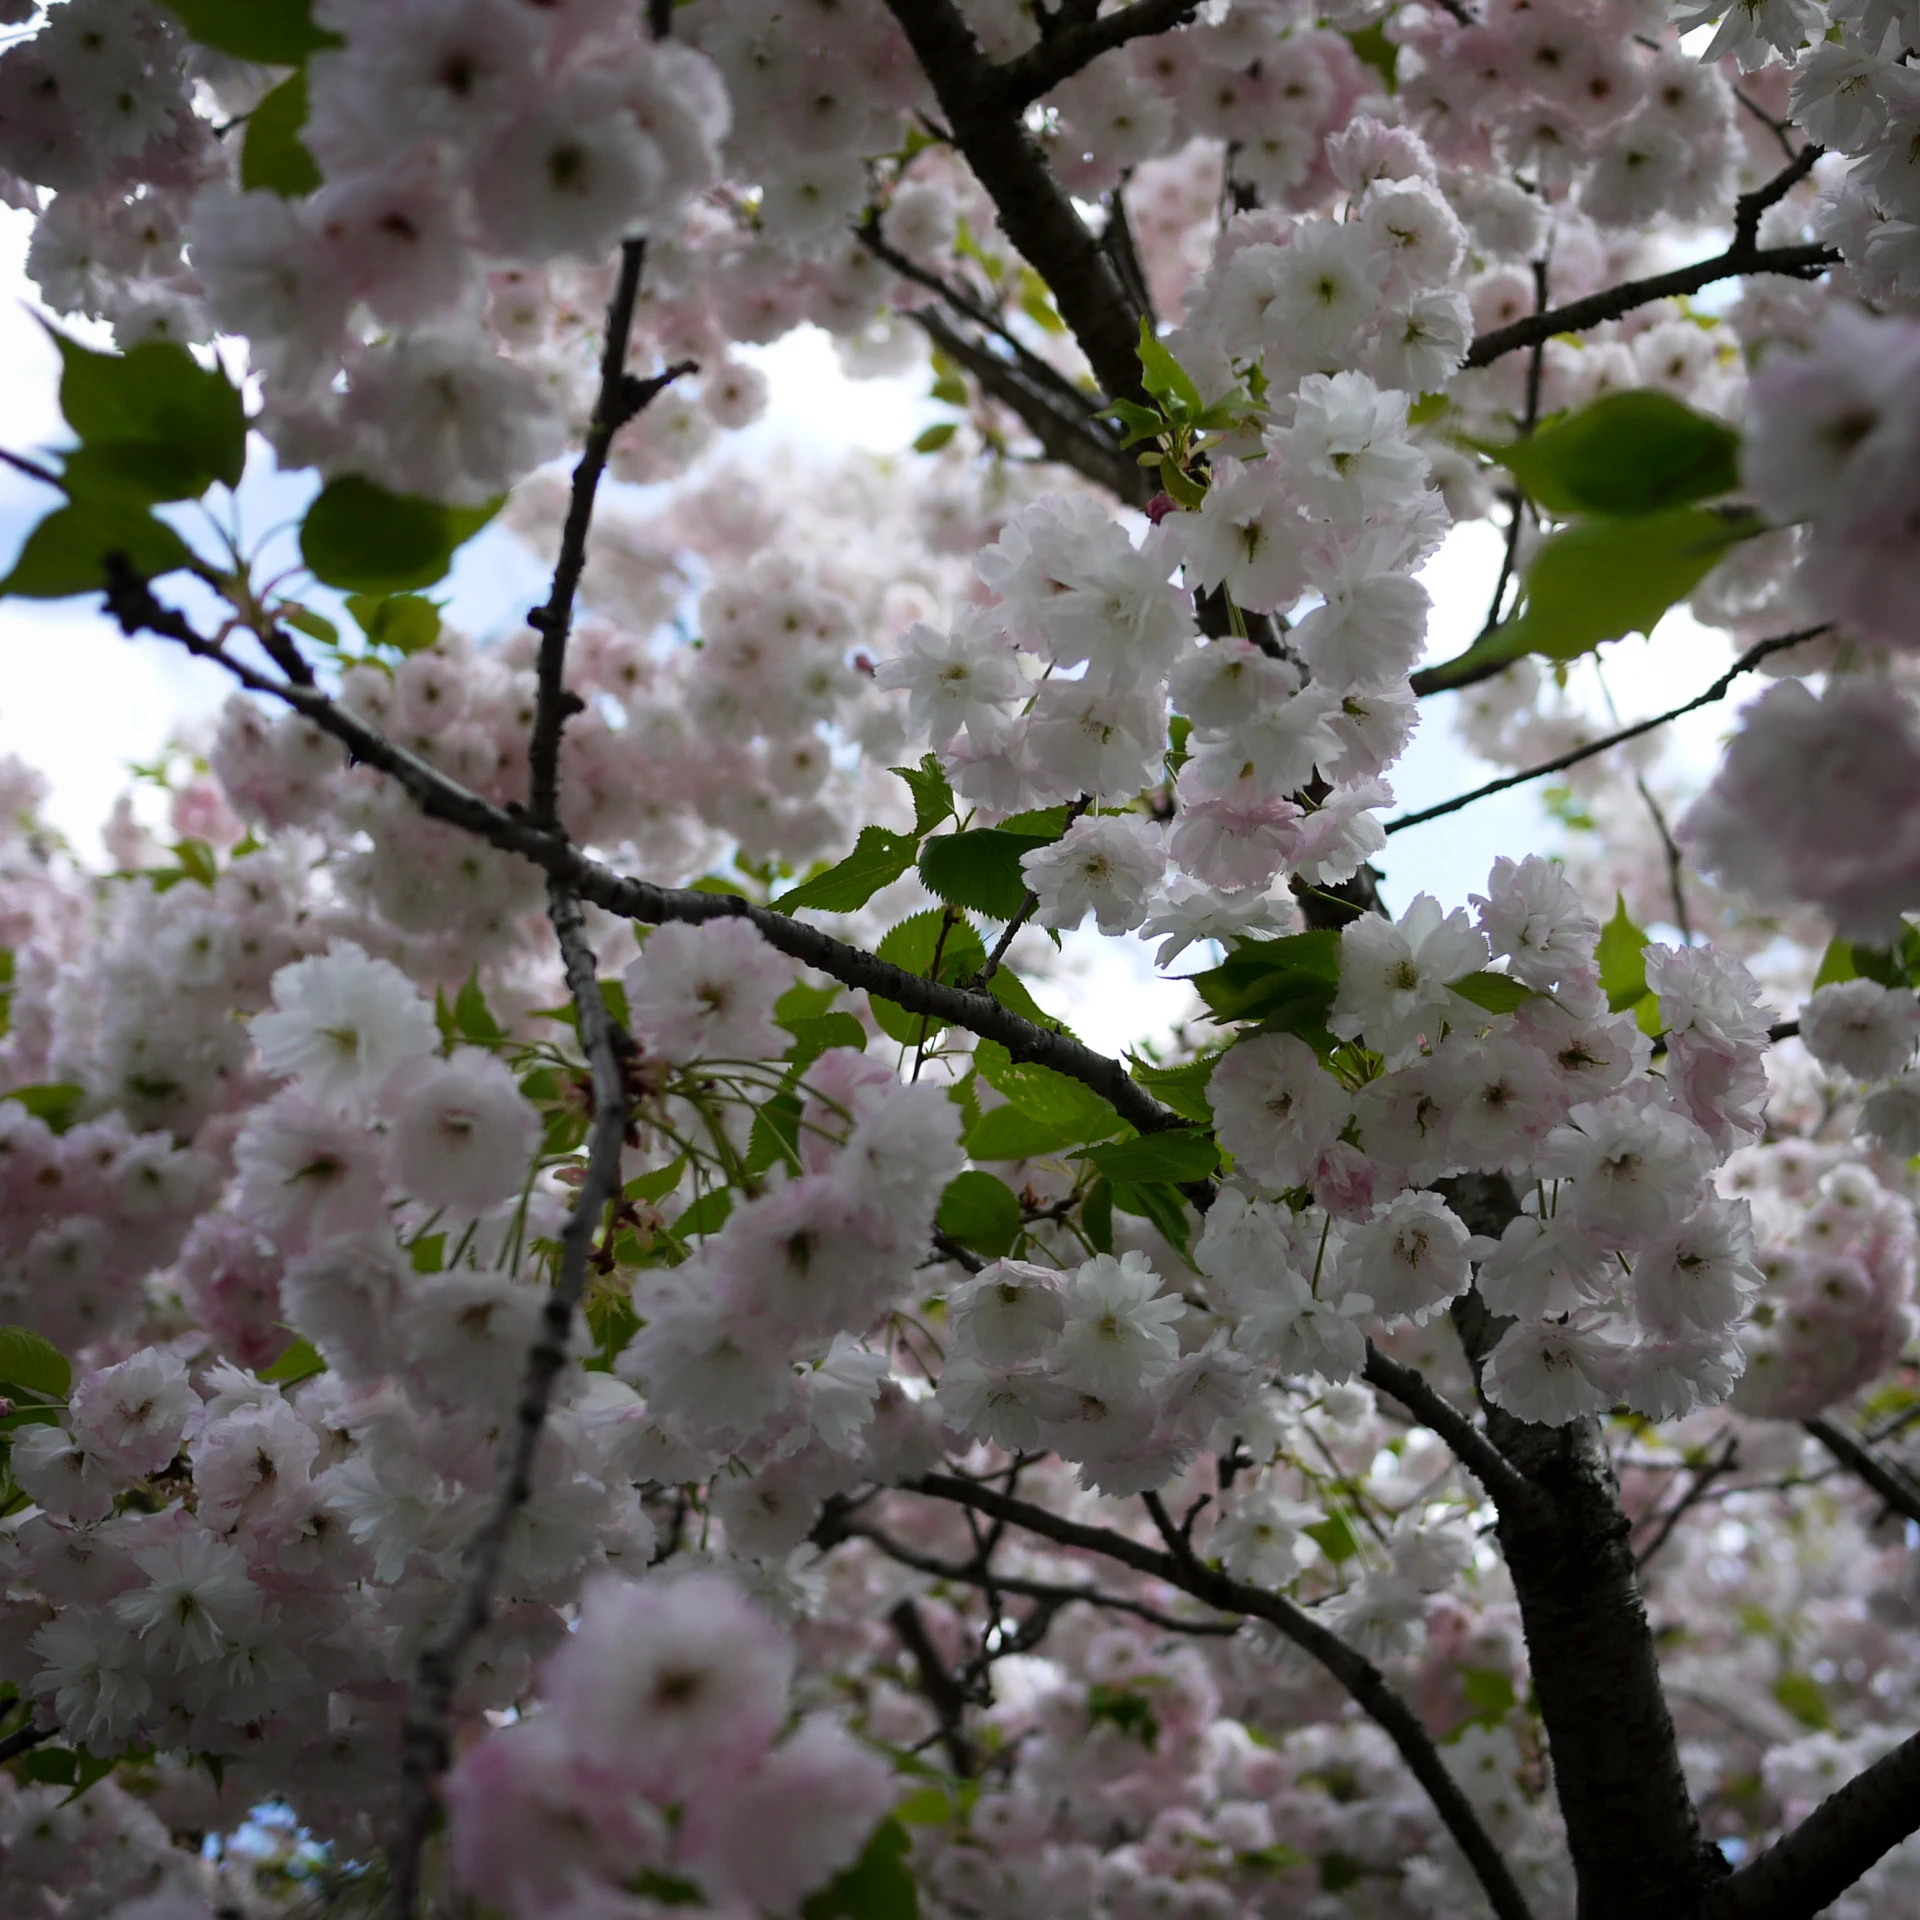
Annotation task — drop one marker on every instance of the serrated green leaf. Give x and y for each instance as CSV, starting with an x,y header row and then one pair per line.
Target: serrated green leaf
x,y
359,537
980,869
472,1018
1160,1203
1161,374
803,1001
275,33
1005,1133
1880,966
1623,960
878,1886
1836,965
1600,580
878,859
301,1361
932,795
648,1189
812,1038
774,1138
30,1360
159,397
409,623
1631,453
1011,991
1175,1157
932,439
1335,1537
316,626
708,1214
980,1212
1287,985
273,157
57,1102
1489,1692
911,947
1054,1099
1183,1088
1096,1216
67,552
1494,992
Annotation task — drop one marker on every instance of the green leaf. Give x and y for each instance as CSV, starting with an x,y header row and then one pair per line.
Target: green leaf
x,y
1623,960
1161,374
877,1886
878,859
775,1135
473,1019
1277,1858
67,552
812,1038
196,861
669,1889
428,1254
1011,991
159,397
275,33
980,869
1633,453
316,626
359,537
932,795
273,157
1131,1712
1877,964
1005,1133
802,1001
980,1212
1156,1201
1287,985
1183,1088
648,1189
1495,992
1836,964
1176,1156
1054,1099
933,438
28,1360
1600,580
57,1102
1801,1695
1335,1537
1096,1216
911,946
1377,51
407,622
1489,1692
301,1361
708,1214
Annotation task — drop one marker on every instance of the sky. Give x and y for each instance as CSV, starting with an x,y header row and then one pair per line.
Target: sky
x,y
81,702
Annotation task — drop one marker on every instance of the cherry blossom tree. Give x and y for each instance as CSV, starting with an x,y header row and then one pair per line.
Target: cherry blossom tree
x,y
579,1340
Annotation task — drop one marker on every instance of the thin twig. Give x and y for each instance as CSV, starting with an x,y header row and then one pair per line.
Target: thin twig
x,y
1363,1681
1703,1480
425,1733
24,1740
1609,304
1676,864
1506,1485
1866,1462
132,602
1750,206
1718,691
31,468
1062,53
947,1698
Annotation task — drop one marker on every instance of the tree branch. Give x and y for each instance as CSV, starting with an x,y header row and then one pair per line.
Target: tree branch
x,y
944,1693
1866,1462
1759,651
1801,1874
1037,216
1504,1482
1750,206
132,603
1363,1681
1798,262
619,399
24,1740
1064,50
1697,1490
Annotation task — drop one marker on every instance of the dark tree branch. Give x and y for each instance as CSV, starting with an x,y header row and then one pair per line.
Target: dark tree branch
x,y
1718,691
24,1740
619,399
943,1691
425,1733
1798,262
1075,440
1077,42
983,110
1800,1875
132,603
1697,1491
1750,206
1506,1485
31,468
1363,1681
1866,1462
1596,1670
